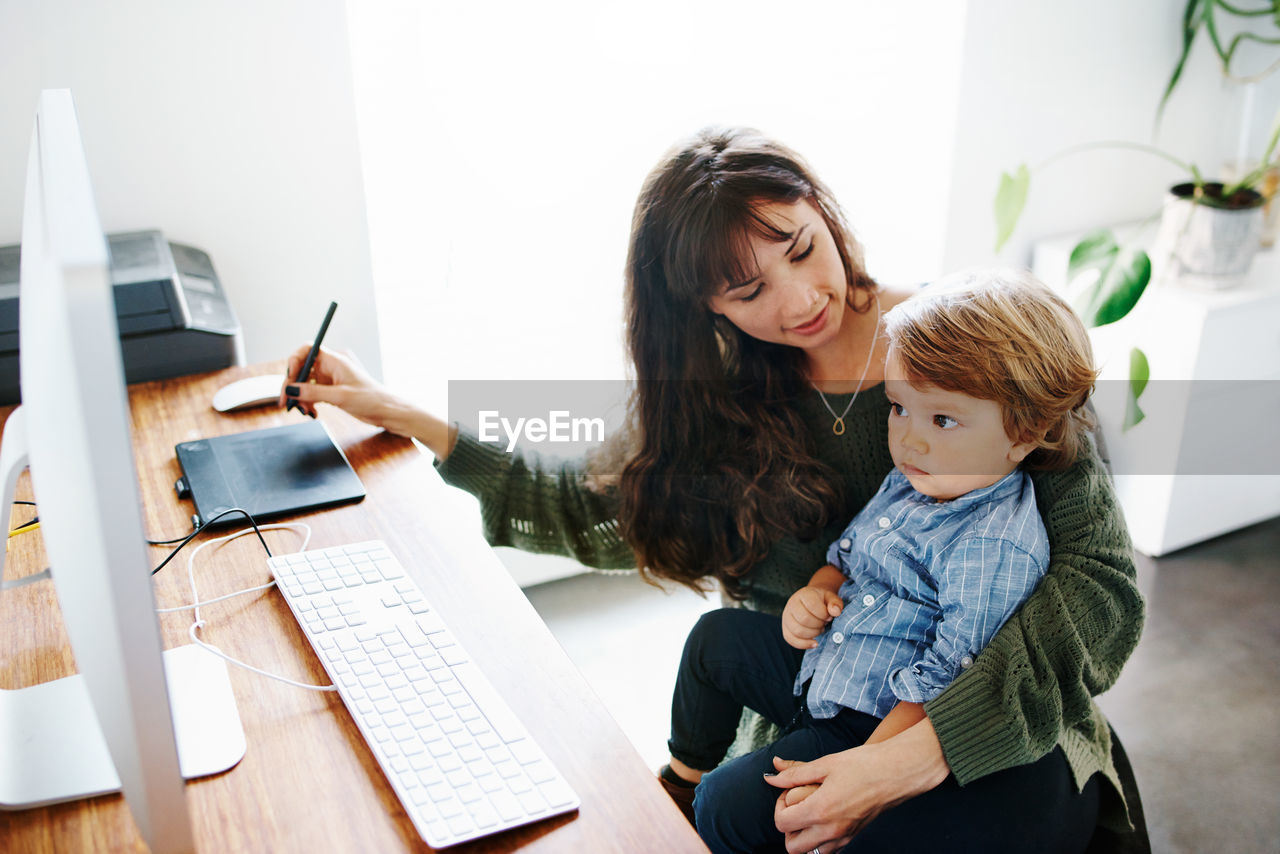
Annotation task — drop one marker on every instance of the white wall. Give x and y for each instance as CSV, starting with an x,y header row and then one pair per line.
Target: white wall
x,y
1040,77
505,144
230,126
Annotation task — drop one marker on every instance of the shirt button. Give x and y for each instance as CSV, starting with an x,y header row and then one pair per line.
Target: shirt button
x,y
884,522
837,637
966,662
846,543
868,600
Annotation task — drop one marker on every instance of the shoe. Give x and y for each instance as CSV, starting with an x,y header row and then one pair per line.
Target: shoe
x,y
682,795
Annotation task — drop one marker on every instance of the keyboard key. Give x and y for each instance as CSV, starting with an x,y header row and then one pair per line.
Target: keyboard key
x,y
540,772
558,793
483,814
430,623
429,773
460,824
532,801
413,635
486,697
389,569
506,805
525,751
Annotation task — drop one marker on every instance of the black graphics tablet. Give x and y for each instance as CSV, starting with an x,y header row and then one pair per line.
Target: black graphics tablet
x,y
266,472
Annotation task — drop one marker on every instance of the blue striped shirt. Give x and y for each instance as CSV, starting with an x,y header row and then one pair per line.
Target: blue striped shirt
x,y
929,583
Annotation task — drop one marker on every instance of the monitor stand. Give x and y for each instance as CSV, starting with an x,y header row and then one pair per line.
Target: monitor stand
x,y
53,744
57,751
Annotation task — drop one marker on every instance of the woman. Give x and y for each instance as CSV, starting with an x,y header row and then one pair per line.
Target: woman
x,y
760,426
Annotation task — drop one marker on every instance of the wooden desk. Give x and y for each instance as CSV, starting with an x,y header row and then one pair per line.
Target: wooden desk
x,y
308,783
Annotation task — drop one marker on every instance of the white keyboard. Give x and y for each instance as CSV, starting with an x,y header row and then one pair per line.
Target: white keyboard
x,y
460,761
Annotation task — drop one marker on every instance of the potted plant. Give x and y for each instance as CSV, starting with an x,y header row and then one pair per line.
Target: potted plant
x,y
1208,228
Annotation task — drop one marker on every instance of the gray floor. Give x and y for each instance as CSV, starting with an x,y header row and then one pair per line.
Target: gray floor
x,y
1198,705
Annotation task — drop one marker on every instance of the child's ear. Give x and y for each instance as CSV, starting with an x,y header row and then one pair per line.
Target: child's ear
x,y
1027,443
1019,452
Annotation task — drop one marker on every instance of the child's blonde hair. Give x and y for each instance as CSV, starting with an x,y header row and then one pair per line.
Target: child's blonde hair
x,y
1004,336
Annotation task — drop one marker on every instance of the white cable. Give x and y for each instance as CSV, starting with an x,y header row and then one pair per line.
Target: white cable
x,y
196,603
244,592
213,649
226,538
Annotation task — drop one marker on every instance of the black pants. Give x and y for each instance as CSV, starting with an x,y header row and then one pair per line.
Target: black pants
x,y
735,658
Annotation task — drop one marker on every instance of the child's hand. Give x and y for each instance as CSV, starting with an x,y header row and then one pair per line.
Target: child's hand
x,y
806,616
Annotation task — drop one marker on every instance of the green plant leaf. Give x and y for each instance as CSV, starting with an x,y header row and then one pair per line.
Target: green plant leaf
x,y
1192,17
1094,251
1139,374
1119,288
1211,29
1011,198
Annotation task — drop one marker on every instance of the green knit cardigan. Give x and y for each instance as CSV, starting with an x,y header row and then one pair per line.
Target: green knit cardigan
x,y
1033,685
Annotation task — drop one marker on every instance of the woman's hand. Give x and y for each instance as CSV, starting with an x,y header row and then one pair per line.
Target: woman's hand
x,y
806,615
340,379
827,801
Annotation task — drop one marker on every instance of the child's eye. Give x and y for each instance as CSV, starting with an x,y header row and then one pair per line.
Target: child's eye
x,y
897,409
946,422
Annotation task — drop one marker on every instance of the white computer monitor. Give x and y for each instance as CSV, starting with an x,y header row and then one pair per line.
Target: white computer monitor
x,y
73,427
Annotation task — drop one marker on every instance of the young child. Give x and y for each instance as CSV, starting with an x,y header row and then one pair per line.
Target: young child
x,y
987,375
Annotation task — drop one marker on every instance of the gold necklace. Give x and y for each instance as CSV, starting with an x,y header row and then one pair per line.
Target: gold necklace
x,y
838,427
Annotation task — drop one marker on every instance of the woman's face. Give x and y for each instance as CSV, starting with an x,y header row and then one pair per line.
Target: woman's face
x,y
797,294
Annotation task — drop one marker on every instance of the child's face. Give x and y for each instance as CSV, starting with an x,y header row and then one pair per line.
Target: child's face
x,y
945,442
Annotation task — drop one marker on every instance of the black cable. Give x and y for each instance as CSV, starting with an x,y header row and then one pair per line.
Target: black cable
x,y
197,531
33,520
170,542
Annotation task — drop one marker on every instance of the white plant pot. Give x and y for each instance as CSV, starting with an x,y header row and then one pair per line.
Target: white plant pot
x,y
1212,245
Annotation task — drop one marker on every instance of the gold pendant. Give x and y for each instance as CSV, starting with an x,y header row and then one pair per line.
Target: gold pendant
x,y
838,427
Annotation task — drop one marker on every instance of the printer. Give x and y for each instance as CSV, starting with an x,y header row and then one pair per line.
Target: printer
x,y
173,315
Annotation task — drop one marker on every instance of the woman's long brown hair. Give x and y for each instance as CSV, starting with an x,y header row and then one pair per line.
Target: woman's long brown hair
x,y
722,467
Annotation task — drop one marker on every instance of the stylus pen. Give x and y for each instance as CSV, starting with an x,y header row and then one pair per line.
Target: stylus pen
x,y
305,370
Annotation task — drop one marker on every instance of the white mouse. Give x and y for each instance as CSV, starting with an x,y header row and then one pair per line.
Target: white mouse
x,y
253,391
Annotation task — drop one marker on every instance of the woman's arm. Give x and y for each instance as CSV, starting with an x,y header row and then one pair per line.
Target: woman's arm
x,y
853,787
341,380
1065,644
550,509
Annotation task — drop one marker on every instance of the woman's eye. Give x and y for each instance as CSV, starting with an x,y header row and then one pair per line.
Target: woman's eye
x,y
946,422
755,293
896,409
806,253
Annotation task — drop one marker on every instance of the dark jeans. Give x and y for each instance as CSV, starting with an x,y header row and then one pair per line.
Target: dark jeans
x,y
735,658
